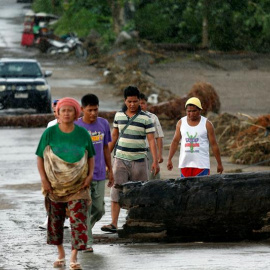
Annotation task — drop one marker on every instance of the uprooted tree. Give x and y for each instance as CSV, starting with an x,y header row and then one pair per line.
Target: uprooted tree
x,y
210,208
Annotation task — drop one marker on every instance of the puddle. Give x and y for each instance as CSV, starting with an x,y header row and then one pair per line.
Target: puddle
x,y
23,244
71,83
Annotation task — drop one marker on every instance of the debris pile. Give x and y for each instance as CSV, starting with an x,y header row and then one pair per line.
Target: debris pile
x,y
245,139
207,95
38,120
252,145
128,65
26,120
227,127
169,112
128,62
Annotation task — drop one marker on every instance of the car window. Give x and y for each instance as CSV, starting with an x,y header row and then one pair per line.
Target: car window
x,y
20,69
3,70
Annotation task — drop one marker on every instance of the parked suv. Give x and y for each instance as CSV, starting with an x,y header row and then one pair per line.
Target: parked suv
x,y
23,85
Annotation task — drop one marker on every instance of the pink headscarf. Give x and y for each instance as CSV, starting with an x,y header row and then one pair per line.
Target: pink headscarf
x,y
67,101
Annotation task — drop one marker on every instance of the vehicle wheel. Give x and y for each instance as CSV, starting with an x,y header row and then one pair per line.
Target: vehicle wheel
x,y
81,52
42,44
52,50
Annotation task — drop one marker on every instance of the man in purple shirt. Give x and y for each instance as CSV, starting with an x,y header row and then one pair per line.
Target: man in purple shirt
x,y
99,130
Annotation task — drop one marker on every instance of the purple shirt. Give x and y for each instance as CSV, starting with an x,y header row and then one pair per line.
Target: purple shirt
x,y
101,135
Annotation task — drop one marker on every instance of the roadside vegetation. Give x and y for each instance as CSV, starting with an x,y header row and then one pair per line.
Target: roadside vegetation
x,y
228,25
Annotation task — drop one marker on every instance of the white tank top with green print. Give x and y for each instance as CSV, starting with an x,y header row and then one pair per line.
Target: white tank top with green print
x,y
194,150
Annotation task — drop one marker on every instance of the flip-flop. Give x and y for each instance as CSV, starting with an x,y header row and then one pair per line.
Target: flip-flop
x,y
59,263
88,250
109,228
75,266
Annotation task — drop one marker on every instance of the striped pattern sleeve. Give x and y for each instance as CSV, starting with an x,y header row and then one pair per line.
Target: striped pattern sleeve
x,y
131,145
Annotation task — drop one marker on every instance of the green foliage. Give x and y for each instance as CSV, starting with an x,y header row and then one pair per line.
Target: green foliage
x,y
82,22
232,24
240,25
190,26
42,5
47,6
99,7
106,41
80,16
258,23
129,26
157,20
221,27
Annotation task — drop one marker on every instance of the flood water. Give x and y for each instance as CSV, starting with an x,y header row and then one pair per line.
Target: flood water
x,y
23,244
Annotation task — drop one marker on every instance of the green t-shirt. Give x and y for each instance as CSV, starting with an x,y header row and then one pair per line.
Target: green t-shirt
x,y
68,146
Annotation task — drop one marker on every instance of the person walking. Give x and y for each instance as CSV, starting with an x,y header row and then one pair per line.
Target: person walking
x,y
44,225
159,135
54,121
65,160
195,132
99,130
131,127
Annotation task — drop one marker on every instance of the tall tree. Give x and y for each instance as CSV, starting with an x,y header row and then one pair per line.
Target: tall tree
x,y
205,36
117,8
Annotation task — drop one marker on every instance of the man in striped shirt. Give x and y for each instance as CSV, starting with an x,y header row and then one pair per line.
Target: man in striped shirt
x,y
131,127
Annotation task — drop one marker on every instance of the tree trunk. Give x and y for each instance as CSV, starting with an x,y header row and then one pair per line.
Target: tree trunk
x,y
39,120
205,38
117,15
225,207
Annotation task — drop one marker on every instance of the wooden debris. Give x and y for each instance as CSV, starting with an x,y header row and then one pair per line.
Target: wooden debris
x,y
228,207
175,108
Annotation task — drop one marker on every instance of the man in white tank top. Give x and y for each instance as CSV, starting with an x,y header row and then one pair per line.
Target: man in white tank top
x,y
195,133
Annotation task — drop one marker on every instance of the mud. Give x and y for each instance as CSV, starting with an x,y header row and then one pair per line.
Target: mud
x,y
241,80
23,244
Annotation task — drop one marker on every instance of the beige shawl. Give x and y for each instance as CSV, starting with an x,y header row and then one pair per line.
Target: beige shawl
x,y
66,178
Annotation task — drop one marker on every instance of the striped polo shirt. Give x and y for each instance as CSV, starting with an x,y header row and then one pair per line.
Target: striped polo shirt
x,y
131,145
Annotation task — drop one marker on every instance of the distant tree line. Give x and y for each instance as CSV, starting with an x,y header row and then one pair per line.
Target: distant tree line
x,y
225,25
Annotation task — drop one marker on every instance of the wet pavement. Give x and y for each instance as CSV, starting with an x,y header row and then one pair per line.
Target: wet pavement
x,y
11,28
23,244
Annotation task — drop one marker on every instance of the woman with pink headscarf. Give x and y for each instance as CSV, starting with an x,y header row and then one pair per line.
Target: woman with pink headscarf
x,y
65,159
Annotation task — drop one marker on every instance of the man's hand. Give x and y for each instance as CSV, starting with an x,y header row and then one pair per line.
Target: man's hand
x,y
219,168
111,179
155,169
160,159
169,165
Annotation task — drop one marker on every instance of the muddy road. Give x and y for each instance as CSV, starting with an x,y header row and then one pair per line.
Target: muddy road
x,y
23,244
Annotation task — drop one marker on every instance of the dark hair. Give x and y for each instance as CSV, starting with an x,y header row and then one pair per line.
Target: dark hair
x,y
55,102
131,91
89,99
143,96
